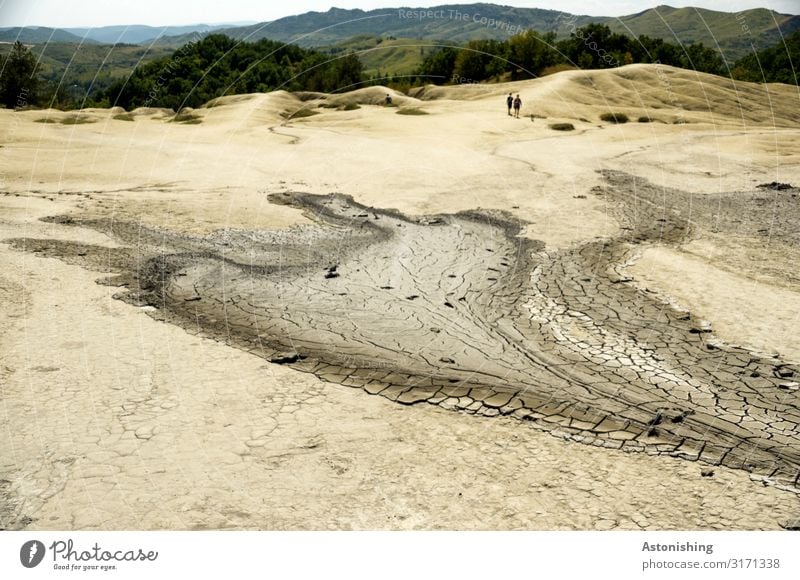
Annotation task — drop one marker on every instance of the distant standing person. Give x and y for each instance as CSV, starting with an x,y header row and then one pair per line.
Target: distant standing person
x,y
388,99
510,103
517,106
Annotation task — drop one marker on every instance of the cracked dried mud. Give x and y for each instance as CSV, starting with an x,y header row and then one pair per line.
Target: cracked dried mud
x,y
460,311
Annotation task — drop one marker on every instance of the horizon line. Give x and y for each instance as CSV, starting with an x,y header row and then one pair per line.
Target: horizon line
x,y
253,22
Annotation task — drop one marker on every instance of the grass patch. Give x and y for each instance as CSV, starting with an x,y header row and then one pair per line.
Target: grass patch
x,y
411,111
299,114
123,117
76,120
679,122
187,118
614,117
307,96
70,120
339,107
562,127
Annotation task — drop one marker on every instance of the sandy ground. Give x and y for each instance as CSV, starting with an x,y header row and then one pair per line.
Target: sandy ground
x,y
114,420
745,311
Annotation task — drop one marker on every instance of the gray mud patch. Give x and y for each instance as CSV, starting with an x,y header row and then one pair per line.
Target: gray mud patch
x,y
12,516
460,311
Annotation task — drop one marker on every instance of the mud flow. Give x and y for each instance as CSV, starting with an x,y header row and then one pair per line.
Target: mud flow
x,y
460,311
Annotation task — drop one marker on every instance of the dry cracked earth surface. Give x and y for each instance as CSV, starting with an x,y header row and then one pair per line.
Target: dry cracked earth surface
x,y
460,311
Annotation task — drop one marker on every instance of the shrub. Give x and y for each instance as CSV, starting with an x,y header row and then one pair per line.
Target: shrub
x,y
76,120
562,127
299,114
645,120
306,96
187,117
19,86
614,117
411,111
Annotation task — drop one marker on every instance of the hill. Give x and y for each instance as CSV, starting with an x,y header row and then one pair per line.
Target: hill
x,y
218,66
385,56
452,22
85,69
734,34
139,33
38,35
776,64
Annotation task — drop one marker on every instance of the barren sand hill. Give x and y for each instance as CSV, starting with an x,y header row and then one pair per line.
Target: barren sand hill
x,y
166,412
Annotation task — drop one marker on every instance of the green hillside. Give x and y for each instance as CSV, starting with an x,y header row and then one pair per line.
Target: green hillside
x,y
38,35
386,56
217,66
139,34
453,22
777,64
734,34
82,69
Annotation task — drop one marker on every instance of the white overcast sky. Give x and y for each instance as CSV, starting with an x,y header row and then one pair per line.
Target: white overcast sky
x,y
79,13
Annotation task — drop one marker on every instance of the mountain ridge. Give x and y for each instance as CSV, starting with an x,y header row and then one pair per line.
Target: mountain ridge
x,y
734,34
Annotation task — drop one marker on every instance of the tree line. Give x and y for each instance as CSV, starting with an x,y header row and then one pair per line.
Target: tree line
x,y
531,54
194,74
218,65
772,65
